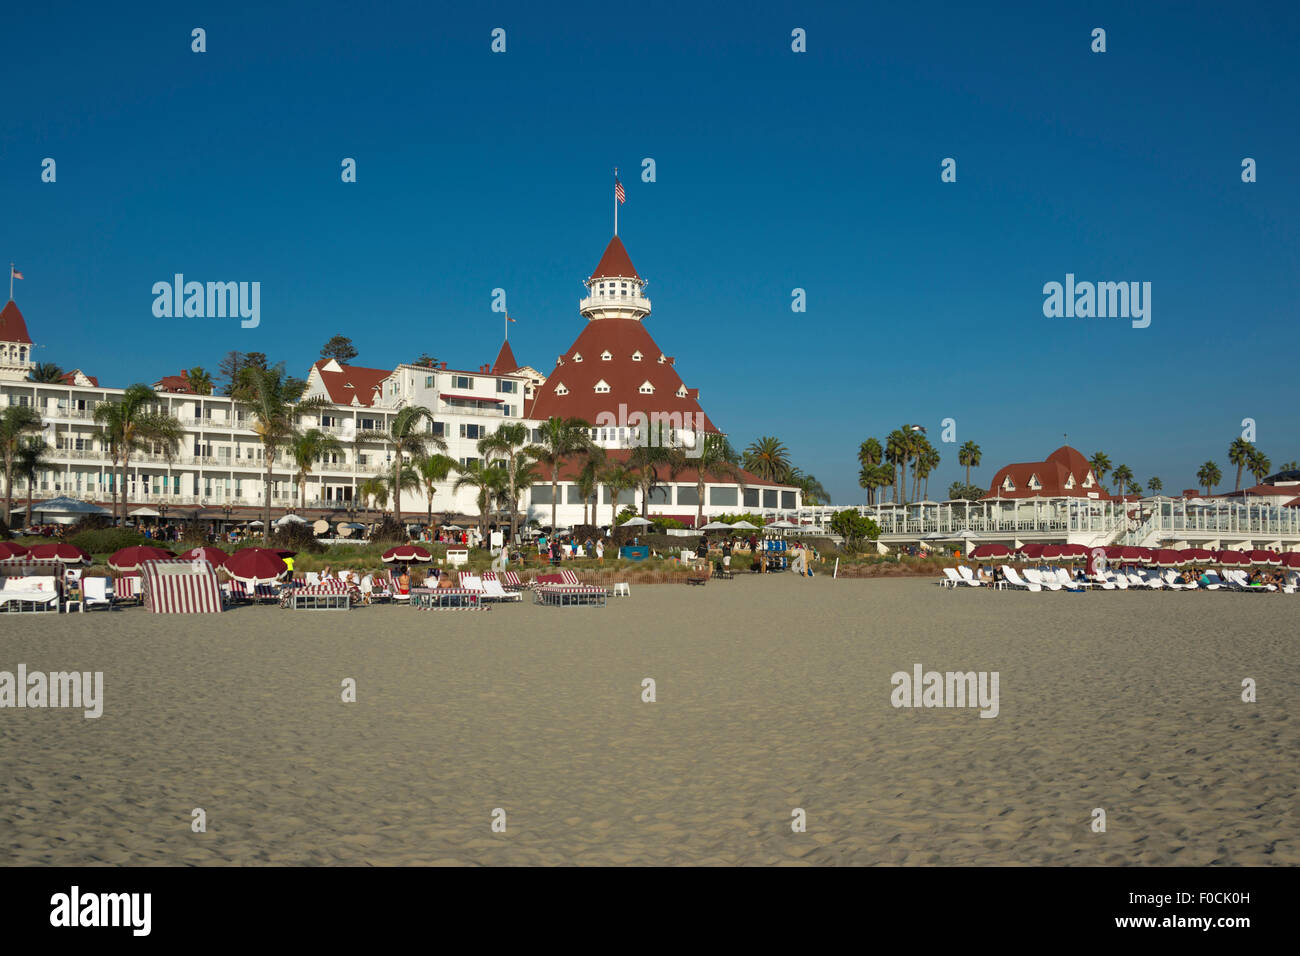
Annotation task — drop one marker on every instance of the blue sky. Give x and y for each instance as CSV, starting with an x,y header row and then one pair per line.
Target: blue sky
x,y
775,171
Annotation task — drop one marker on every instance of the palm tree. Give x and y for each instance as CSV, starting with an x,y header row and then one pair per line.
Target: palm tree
x,y
813,491
200,380
1135,487
1208,476
768,458
926,463
646,461
30,460
375,488
618,478
870,452
969,455
47,373
1259,465
433,469
406,478
487,481
306,448
272,400
1239,453
129,425
560,440
409,433
897,452
717,459
1290,466
1155,485
505,444
588,481
873,477
1122,475
17,422
1100,465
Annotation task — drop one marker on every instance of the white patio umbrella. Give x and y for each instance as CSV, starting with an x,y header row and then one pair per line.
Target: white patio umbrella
x,y
637,521
143,513
716,526
744,526
288,519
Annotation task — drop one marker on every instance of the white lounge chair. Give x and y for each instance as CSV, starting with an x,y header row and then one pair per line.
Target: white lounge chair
x,y
313,577
1015,581
950,578
493,591
95,592
969,577
1035,576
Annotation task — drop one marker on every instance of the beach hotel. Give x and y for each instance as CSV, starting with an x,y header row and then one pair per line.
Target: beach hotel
x,y
1060,501
614,376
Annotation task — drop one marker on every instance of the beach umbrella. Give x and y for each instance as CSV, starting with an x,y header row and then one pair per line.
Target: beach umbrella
x,y
1146,555
128,560
1291,559
744,526
255,565
1264,556
638,522
214,556
143,513
1168,558
68,506
1229,557
1202,555
406,553
253,524
62,552
716,526
1033,550
1053,552
10,549
452,527
984,552
288,519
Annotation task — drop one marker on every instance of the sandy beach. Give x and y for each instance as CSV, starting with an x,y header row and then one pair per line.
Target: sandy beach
x,y
772,695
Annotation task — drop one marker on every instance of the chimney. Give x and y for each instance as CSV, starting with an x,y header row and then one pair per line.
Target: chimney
x,y
444,366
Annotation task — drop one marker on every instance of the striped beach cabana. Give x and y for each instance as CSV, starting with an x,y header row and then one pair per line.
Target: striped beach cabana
x,y
180,587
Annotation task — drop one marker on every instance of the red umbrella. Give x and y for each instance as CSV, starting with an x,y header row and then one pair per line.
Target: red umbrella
x,y
1263,556
1147,555
1114,552
62,552
1053,552
1228,557
1291,559
128,559
9,549
1131,555
1033,550
406,553
1169,558
215,556
255,565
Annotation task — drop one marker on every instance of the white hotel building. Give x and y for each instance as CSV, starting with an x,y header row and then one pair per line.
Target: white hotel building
x,y
217,472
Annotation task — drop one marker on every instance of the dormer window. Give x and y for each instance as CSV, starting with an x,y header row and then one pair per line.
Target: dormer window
x,y
561,390
1088,482
602,387
662,358
1008,484
1034,483
605,356
681,391
637,356
1069,483
577,356
646,388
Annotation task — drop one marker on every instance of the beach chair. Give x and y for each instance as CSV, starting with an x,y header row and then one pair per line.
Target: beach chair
x,y
1070,584
1014,580
395,592
1035,576
95,592
968,577
1291,582
313,577
510,581
1216,583
493,591
30,593
1170,579
1148,579
950,578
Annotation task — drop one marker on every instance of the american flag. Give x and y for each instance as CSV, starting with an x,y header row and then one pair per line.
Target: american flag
x,y
618,192
15,273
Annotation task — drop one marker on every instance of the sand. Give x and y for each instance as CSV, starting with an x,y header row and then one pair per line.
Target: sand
x,y
772,695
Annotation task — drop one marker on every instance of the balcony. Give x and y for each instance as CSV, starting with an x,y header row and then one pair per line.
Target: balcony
x,y
617,306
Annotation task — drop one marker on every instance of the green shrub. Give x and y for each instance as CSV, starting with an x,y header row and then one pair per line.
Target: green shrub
x,y
108,540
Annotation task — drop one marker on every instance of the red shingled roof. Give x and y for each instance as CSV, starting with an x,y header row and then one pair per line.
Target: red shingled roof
x,y
621,338
175,383
352,382
70,378
13,327
505,362
615,262
1053,475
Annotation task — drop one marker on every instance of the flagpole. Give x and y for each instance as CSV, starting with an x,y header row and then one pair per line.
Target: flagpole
x,y
11,267
11,281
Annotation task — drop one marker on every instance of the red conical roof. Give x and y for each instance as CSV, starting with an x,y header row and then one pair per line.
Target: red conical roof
x,y
615,262
505,362
13,328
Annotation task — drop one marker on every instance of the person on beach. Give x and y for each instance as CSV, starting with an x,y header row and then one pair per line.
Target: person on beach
x,y
726,553
326,574
600,552
404,581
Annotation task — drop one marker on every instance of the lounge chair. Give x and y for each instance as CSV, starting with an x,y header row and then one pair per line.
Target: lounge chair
x,y
1170,578
493,591
1070,584
1035,576
510,581
1015,581
95,592
29,593
1216,583
968,577
950,578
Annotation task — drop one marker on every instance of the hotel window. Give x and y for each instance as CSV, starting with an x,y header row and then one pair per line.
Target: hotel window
x,y
366,424
688,495
602,387
428,381
1087,482
577,356
637,356
506,387
647,388
439,429
1069,482
561,390
468,462
473,431
1034,483
462,381
681,392
769,497
724,497
605,356
1008,484
787,500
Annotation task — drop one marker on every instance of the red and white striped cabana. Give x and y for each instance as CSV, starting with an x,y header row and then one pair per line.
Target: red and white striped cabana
x,y
180,587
